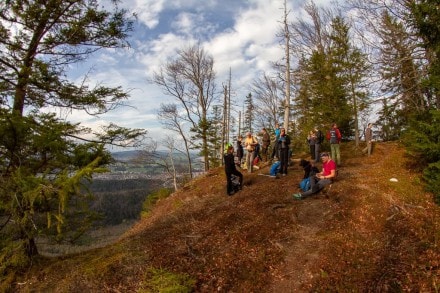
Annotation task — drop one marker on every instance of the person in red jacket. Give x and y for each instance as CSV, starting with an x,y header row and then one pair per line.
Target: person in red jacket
x,y
334,137
320,180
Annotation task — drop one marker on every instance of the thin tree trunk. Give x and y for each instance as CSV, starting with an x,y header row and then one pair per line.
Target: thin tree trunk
x,y
287,90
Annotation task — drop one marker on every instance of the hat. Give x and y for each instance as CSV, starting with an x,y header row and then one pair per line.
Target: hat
x,y
324,155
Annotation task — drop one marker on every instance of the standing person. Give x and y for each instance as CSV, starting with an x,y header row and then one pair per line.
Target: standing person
x,y
334,137
250,144
311,140
368,139
283,149
265,144
319,140
240,151
231,170
321,179
277,137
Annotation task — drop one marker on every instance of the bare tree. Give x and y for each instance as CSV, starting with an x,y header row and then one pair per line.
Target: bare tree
x,y
268,96
190,79
171,119
287,56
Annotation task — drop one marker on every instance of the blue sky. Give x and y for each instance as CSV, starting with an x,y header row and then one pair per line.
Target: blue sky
x,y
240,35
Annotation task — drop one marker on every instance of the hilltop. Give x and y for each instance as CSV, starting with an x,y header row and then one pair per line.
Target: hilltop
x,y
365,234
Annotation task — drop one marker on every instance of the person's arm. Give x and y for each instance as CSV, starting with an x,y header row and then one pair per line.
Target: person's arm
x,y
332,175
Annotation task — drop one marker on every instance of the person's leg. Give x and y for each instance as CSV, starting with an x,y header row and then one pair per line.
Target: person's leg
x,y
240,176
338,154
281,163
370,147
283,160
312,151
229,187
332,151
316,186
317,150
251,161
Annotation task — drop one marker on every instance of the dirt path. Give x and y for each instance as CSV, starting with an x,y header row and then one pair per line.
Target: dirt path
x,y
305,248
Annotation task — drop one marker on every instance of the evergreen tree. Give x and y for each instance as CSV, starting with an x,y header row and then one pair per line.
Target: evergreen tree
x,y
44,159
248,113
426,19
215,135
352,69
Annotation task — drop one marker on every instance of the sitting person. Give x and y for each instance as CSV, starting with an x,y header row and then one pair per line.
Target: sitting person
x,y
275,168
322,179
309,169
231,170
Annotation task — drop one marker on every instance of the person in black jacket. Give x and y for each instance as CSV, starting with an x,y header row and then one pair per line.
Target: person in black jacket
x,y
309,168
283,148
230,170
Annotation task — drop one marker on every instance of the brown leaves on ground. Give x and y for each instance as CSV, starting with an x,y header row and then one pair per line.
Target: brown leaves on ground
x,y
364,234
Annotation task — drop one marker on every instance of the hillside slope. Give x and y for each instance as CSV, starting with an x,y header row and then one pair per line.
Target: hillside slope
x,y
366,234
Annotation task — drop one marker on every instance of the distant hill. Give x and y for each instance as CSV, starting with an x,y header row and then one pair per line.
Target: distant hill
x,y
125,156
364,234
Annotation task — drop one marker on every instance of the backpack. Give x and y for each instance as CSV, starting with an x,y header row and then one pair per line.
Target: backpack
x,y
275,168
305,184
235,182
333,136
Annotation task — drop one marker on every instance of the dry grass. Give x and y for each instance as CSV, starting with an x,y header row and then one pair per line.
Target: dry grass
x,y
366,234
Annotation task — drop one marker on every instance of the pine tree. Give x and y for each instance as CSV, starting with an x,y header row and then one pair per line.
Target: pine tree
x,y
248,113
44,160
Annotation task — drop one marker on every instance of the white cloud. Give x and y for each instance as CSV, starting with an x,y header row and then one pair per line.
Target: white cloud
x,y
240,35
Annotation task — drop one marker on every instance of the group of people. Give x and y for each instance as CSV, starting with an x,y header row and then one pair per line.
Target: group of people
x,y
281,149
253,149
316,138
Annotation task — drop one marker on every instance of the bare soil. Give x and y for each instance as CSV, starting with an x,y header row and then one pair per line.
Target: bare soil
x,y
364,234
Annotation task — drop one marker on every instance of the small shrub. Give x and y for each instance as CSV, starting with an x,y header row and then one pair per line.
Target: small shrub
x,y
151,200
159,280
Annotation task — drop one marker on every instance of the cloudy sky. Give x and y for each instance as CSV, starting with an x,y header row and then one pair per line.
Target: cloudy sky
x,y
241,35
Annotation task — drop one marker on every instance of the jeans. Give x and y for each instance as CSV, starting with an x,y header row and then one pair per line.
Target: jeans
x,y
316,185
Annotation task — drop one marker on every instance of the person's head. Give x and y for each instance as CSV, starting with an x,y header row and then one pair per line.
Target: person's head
x,y
230,148
325,157
283,131
303,163
263,130
334,125
277,125
370,125
248,134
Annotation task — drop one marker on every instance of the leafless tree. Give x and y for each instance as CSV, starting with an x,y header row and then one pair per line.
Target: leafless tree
x,y
171,119
268,96
190,79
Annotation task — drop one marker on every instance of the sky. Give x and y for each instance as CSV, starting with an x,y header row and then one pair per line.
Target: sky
x,y
241,35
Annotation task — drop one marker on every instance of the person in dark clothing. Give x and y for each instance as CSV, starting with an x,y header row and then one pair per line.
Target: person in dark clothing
x,y
230,170
309,169
283,148
240,151
275,152
266,143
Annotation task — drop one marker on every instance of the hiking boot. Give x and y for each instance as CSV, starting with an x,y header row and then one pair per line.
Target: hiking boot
x,y
297,196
